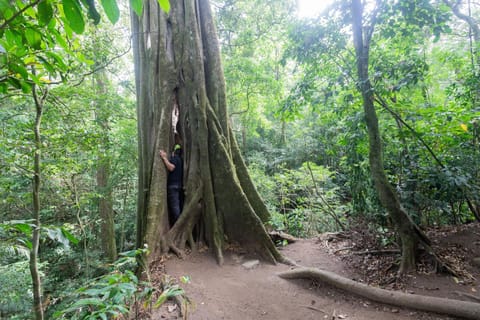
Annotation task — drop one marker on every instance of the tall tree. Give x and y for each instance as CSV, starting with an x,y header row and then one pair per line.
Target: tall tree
x,y
178,69
409,233
39,97
105,201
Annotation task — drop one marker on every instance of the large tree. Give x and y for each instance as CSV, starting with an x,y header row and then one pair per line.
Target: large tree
x,y
179,72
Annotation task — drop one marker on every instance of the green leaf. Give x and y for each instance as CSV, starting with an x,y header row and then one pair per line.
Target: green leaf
x,y
34,38
61,235
4,6
74,16
88,302
92,11
26,87
6,9
60,40
19,69
168,293
165,5
58,60
69,236
13,38
36,79
111,9
24,228
137,6
47,65
26,243
185,279
45,12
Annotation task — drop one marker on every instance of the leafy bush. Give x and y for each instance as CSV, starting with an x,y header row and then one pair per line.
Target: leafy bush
x,y
15,290
114,294
303,201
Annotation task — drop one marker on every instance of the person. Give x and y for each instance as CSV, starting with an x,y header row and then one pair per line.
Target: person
x,y
174,165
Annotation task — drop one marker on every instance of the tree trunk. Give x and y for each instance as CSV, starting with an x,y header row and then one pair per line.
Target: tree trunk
x,y
177,64
408,232
36,280
105,203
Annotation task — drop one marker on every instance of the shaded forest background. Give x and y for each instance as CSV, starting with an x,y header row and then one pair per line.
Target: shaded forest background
x,y
294,107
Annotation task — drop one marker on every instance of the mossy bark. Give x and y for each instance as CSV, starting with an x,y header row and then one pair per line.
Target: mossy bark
x,y
409,233
177,65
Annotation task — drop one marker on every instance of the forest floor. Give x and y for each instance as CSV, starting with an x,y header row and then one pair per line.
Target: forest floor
x,y
233,291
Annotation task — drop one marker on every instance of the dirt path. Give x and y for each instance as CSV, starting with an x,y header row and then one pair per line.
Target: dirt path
x,y
234,292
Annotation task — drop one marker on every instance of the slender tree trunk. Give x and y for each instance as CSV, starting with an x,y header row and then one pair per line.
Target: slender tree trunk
x,y
105,203
407,231
177,63
36,280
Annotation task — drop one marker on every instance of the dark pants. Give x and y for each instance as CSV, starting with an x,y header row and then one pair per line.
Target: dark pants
x,y
174,197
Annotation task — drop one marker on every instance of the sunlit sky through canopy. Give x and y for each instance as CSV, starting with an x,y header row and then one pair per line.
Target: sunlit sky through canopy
x,y
311,8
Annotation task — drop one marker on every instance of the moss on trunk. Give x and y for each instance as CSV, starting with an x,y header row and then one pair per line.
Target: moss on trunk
x,y
410,235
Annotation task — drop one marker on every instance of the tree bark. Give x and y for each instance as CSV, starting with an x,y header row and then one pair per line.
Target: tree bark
x,y
177,65
457,308
33,264
409,233
105,202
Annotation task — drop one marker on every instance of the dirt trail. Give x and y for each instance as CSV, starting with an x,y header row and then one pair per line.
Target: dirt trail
x,y
234,292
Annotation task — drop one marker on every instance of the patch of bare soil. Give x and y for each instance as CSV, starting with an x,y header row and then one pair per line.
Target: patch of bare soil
x,y
233,291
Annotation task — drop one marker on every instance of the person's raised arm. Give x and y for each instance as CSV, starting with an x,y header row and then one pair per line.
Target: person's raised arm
x,y
170,166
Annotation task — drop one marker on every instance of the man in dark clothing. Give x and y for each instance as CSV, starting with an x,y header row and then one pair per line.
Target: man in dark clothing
x,y
174,166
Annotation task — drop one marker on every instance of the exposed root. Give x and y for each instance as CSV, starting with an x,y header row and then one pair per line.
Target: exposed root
x,y
191,242
470,296
377,252
440,264
219,256
177,251
288,261
280,236
182,304
457,308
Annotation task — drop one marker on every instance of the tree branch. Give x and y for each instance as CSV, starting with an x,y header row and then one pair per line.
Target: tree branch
x,y
30,5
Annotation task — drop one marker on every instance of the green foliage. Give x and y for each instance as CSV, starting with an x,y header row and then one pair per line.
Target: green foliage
x,y
37,41
114,294
19,232
304,201
15,290
429,84
251,34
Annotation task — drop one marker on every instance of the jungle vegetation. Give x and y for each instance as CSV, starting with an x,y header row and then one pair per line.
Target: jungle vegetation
x,y
366,115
